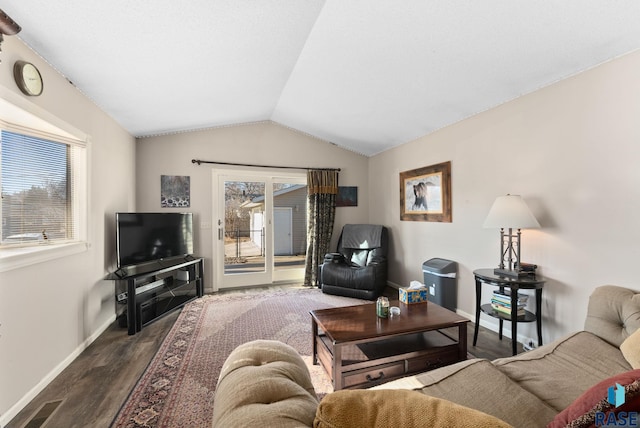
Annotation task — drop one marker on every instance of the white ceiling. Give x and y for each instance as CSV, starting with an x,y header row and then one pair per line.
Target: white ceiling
x,y
366,75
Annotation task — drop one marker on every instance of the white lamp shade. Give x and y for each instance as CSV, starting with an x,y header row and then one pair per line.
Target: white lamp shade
x,y
510,212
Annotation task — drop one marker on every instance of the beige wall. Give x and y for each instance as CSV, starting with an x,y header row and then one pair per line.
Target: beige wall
x,y
262,143
51,310
572,151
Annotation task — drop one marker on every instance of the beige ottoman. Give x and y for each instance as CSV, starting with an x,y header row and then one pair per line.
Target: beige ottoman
x,y
264,383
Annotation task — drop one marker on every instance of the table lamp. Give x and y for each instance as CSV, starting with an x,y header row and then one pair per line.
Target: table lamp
x,y
510,212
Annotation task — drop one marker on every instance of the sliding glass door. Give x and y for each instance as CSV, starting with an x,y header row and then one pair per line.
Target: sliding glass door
x,y
260,233
289,227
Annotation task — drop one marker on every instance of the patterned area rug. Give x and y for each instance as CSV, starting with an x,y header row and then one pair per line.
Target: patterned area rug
x,y
177,389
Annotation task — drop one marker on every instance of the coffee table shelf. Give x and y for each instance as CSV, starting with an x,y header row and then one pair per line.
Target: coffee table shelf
x,y
360,350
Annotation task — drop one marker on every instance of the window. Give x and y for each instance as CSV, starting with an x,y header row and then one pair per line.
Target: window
x,y
37,195
43,180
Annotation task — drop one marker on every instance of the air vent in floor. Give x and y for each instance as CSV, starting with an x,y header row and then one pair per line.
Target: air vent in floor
x,y
43,414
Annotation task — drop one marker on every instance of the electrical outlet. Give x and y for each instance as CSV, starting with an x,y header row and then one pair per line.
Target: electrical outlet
x,y
529,344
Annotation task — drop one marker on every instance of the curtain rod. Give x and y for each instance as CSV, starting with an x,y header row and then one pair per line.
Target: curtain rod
x,y
199,162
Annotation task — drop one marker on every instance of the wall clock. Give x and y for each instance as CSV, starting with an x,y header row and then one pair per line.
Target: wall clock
x,y
27,78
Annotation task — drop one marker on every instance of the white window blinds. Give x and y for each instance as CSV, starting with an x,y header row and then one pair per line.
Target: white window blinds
x,y
37,189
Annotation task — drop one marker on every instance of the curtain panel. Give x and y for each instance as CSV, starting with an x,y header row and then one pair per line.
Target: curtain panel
x,y
321,208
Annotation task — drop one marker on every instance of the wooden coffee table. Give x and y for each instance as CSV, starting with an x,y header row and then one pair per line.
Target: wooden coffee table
x,y
358,349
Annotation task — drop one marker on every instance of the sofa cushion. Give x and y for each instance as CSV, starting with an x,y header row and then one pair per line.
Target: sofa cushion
x,y
480,385
399,408
264,383
631,349
582,412
613,313
559,372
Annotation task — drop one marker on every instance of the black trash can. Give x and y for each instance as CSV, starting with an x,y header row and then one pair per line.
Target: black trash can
x,y
440,279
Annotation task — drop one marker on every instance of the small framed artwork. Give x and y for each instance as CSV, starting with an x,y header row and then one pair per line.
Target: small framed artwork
x,y
175,191
347,196
425,193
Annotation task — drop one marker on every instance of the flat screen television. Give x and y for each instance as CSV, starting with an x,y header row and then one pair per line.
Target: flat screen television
x,y
147,237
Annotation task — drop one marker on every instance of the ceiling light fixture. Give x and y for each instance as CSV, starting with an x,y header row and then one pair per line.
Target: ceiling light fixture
x,y
8,27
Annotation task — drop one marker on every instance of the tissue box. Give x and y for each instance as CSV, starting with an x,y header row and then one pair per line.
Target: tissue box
x,y
413,296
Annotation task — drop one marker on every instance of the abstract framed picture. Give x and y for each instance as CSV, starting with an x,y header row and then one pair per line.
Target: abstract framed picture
x,y
347,196
425,193
175,191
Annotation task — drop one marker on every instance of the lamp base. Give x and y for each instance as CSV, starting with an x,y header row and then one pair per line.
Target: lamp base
x,y
511,273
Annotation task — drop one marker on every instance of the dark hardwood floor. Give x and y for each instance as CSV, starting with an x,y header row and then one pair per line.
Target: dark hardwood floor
x,y
91,390
94,386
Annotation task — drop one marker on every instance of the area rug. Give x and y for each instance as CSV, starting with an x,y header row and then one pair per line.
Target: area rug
x,y
177,388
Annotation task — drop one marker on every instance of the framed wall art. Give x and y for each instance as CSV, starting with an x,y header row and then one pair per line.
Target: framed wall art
x,y
175,191
425,193
347,196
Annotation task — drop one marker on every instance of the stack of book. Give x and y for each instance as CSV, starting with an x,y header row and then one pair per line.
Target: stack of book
x,y
501,302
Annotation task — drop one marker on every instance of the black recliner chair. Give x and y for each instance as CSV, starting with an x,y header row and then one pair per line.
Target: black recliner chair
x,y
359,267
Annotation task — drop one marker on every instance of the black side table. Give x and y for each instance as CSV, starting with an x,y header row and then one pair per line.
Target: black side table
x,y
530,282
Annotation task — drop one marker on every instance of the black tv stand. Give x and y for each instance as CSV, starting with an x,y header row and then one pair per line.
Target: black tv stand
x,y
146,294
120,273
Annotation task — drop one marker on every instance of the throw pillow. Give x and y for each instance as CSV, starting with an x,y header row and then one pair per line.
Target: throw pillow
x,y
401,408
631,349
582,412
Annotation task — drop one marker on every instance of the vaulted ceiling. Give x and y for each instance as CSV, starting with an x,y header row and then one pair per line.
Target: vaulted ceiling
x,y
366,75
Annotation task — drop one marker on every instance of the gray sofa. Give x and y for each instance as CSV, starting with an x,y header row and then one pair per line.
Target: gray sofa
x,y
527,390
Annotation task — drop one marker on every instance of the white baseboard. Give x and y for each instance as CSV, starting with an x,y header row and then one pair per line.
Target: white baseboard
x,y
26,399
393,284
